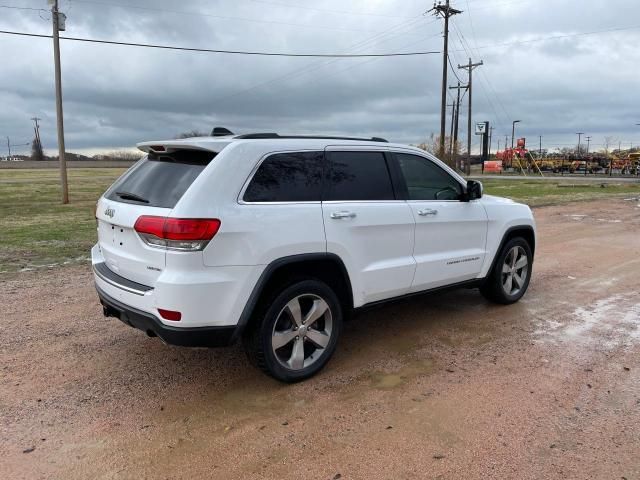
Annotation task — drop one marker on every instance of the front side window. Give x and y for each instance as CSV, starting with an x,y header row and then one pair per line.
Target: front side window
x,y
357,175
287,177
427,181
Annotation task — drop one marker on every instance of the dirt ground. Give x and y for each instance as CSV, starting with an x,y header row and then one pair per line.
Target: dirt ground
x,y
440,386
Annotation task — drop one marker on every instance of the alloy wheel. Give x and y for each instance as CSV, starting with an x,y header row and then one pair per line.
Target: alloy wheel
x,y
514,270
302,331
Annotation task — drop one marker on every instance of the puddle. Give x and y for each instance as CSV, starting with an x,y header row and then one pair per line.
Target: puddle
x,y
575,217
389,381
580,217
610,322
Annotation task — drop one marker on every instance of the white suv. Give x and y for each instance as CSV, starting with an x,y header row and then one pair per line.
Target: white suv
x,y
276,240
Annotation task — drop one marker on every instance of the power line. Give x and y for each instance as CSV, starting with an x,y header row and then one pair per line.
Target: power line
x,y
557,37
342,12
506,44
471,23
230,52
453,70
483,79
13,7
212,15
469,67
470,54
446,12
316,65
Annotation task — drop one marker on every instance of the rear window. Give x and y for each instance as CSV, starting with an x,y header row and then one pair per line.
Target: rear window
x,y
287,177
358,175
160,180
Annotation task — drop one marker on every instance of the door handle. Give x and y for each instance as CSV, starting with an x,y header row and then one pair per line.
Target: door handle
x,y
427,212
338,215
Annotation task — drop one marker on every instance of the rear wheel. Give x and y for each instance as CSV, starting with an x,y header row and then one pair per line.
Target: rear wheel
x,y
509,279
296,331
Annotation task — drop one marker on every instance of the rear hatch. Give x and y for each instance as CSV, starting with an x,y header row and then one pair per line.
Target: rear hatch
x,y
153,186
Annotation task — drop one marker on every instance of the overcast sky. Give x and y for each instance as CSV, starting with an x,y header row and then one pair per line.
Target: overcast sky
x,y
115,96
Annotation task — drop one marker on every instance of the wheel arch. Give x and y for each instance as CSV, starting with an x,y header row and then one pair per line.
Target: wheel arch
x,y
525,231
327,267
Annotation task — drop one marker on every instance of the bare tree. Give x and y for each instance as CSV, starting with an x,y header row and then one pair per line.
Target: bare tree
x,y
191,134
608,141
120,155
36,150
432,145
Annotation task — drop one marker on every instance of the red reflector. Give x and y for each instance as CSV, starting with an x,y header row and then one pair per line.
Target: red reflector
x,y
178,228
170,315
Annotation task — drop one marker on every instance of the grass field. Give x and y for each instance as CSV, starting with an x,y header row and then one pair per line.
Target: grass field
x,y
37,231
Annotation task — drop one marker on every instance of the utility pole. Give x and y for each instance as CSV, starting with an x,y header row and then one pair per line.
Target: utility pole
x,y
56,16
9,145
445,11
484,142
453,118
455,131
513,131
586,159
470,66
579,138
540,151
490,137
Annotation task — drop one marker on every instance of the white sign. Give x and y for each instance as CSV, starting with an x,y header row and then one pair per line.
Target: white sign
x,y
481,128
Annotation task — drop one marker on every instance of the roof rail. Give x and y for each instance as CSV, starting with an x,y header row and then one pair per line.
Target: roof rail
x,y
319,137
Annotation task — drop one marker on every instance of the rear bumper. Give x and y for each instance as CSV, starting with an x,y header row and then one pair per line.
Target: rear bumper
x,y
181,336
205,296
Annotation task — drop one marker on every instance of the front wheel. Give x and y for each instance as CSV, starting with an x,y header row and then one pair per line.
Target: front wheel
x,y
508,280
296,332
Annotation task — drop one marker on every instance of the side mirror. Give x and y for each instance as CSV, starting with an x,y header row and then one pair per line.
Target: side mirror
x,y
474,190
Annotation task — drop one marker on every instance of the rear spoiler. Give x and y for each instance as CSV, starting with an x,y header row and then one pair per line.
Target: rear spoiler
x,y
198,143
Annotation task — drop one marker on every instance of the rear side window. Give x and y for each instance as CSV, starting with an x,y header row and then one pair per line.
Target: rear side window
x,y
287,177
357,175
160,180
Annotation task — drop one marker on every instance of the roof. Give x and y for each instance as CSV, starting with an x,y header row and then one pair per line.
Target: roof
x,y
217,143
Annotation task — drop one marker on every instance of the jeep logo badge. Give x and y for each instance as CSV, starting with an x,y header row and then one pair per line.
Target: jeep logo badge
x,y
110,212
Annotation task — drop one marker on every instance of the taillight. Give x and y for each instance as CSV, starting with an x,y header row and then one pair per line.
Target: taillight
x,y
170,315
188,234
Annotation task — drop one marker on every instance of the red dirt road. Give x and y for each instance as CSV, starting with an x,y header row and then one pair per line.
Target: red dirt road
x,y
441,386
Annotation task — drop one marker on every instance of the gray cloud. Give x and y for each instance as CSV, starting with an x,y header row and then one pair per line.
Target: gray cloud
x,y
116,96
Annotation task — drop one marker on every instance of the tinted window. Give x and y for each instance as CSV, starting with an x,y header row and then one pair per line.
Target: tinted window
x,y
358,176
427,181
287,177
160,180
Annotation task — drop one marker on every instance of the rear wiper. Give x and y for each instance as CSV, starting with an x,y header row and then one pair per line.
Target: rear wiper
x,y
132,196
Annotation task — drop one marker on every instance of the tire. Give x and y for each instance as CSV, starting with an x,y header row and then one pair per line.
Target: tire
x,y
306,339
506,283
